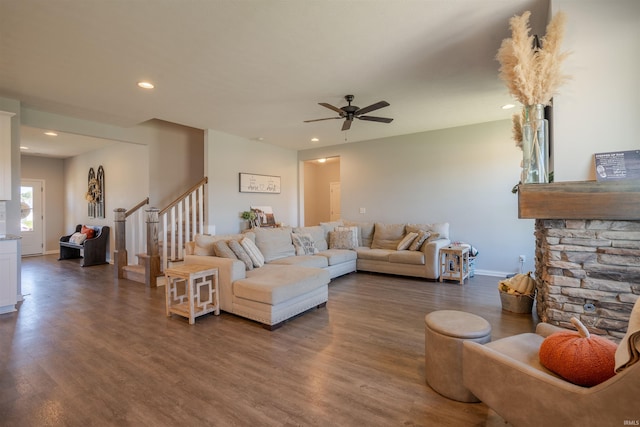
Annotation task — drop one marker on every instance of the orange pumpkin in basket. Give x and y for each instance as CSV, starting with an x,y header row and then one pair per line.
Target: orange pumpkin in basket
x,y
578,356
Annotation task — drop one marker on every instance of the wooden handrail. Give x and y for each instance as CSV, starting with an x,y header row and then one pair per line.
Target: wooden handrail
x,y
136,207
184,195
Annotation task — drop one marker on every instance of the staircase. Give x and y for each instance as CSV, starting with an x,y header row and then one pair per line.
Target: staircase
x,y
135,272
157,236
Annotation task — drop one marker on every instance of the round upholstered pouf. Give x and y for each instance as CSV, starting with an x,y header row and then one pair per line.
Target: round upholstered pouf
x,y
445,330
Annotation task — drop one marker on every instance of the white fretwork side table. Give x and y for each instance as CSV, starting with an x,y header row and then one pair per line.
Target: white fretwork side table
x,y
192,290
454,263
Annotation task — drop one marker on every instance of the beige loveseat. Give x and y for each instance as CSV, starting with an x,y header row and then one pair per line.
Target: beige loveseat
x,y
299,262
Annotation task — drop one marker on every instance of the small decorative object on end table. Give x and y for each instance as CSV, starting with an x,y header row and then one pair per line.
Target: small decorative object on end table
x,y
454,263
199,292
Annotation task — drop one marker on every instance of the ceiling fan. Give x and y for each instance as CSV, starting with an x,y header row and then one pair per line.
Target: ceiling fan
x,y
350,112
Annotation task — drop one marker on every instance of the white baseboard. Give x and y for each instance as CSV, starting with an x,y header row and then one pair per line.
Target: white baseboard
x,y
493,273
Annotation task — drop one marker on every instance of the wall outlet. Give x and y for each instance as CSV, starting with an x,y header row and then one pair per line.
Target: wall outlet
x,y
522,258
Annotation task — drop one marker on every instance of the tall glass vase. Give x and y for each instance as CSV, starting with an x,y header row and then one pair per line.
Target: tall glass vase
x,y
535,146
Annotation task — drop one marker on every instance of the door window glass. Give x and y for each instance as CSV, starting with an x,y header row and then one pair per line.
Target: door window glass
x,y
26,208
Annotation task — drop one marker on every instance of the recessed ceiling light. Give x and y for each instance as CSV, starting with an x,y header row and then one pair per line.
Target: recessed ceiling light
x,y
51,133
314,140
22,147
322,160
508,106
146,85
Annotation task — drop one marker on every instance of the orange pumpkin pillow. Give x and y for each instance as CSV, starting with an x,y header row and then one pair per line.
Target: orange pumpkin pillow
x,y
579,357
88,231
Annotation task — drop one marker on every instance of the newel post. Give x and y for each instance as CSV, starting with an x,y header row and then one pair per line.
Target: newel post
x,y
120,252
152,262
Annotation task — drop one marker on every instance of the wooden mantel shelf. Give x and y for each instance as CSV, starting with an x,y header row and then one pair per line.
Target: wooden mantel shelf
x,y
613,200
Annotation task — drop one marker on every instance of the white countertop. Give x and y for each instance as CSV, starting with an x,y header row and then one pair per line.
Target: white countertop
x,y
9,237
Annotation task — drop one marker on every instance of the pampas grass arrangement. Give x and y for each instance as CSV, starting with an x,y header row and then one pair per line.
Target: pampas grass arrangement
x,y
517,129
531,72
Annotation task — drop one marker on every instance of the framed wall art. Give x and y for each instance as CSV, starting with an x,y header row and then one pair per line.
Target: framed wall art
x,y
254,183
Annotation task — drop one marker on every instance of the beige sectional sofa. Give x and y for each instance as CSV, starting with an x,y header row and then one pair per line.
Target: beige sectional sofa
x,y
294,265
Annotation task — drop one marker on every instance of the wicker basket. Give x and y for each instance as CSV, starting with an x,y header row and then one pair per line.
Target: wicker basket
x,y
516,303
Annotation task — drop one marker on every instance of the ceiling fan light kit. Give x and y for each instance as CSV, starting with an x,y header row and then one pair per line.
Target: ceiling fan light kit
x,y
350,112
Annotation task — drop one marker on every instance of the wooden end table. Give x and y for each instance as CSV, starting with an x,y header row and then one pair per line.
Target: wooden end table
x,y
192,290
454,263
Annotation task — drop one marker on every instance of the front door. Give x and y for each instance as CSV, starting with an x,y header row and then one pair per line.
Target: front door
x,y
31,217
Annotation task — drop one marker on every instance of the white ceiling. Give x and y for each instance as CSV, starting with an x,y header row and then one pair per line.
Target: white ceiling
x,y
258,68
34,142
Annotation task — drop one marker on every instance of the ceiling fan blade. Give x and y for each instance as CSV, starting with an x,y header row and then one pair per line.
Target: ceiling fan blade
x,y
331,107
347,124
317,120
372,107
376,119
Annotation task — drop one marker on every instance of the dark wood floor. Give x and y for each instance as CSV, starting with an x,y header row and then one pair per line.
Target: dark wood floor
x,y
85,349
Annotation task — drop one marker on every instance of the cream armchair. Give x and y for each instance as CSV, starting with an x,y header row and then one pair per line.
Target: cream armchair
x,y
507,376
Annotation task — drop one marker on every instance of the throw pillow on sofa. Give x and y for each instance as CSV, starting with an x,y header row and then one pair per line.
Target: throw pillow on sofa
x,y
327,227
242,255
439,228
252,250
365,232
423,236
304,244
406,241
354,230
221,249
341,239
318,236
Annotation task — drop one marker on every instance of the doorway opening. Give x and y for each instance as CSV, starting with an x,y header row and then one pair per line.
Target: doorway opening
x,y
321,190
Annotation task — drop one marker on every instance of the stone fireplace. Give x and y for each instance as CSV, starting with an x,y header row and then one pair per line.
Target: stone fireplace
x,y
587,252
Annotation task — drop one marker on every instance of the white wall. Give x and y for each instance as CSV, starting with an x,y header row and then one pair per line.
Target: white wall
x,y
598,110
227,156
126,172
460,175
176,160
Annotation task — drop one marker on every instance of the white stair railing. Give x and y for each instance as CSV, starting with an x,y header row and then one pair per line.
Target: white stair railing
x,y
130,236
180,222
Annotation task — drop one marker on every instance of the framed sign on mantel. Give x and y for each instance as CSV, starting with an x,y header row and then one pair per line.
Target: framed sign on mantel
x,y
254,183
